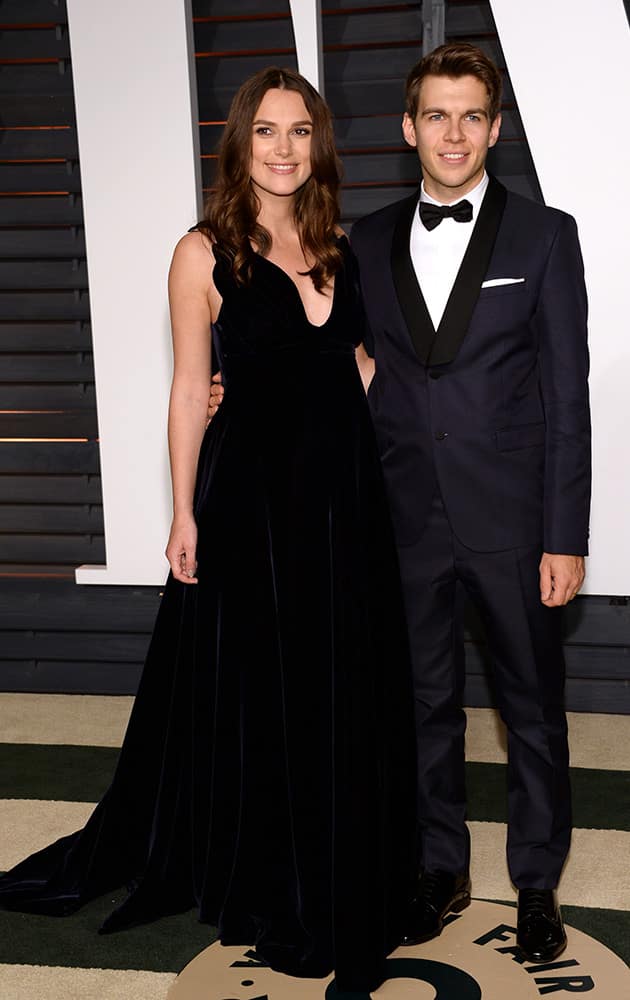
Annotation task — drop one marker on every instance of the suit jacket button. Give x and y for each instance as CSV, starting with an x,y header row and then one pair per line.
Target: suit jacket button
x,y
441,435
434,374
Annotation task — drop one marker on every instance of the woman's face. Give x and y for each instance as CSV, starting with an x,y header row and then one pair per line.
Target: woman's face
x,y
281,143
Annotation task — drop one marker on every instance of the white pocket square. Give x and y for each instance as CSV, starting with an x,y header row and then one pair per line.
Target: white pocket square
x,y
495,282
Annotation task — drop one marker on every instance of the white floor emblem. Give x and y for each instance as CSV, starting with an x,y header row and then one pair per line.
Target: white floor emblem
x,y
475,958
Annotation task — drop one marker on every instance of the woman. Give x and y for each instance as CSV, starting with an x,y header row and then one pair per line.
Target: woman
x,y
266,775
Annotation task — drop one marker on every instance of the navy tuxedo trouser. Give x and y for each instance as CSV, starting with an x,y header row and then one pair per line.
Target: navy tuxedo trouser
x,y
525,644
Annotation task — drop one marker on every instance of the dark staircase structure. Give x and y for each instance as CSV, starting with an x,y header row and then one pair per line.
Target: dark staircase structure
x,y
56,636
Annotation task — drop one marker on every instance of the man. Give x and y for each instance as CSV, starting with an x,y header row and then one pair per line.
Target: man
x,y
476,302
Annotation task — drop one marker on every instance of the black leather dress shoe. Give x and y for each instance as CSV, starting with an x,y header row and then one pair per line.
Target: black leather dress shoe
x,y
438,893
540,932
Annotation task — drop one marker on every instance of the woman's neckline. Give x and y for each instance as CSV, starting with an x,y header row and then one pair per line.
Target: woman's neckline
x,y
315,326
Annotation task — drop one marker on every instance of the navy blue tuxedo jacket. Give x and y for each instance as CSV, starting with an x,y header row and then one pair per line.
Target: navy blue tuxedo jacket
x,y
493,407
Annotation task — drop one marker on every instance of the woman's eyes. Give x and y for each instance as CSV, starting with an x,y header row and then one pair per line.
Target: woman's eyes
x,y
264,130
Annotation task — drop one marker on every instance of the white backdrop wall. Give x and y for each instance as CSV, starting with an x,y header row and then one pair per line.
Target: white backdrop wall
x,y
139,167
569,65
306,17
137,130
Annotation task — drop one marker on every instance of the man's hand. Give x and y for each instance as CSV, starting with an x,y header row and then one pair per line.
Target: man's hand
x,y
216,395
560,578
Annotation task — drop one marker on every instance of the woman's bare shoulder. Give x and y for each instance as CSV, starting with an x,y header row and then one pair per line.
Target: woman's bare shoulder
x,y
194,247
193,262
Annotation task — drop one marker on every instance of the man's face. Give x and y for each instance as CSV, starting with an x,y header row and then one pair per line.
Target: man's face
x,y
452,133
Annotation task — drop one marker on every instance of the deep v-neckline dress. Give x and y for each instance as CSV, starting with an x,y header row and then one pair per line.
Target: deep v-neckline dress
x,y
267,775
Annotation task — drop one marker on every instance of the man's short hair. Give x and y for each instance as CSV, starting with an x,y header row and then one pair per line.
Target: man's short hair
x,y
455,59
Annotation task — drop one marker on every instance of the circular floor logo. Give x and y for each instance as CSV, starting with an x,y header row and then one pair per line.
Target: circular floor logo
x,y
475,958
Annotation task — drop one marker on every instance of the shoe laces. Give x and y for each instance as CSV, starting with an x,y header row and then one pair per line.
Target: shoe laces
x,y
430,888
430,881
535,904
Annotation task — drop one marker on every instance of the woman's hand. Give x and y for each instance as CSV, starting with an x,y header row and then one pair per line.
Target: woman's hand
x,y
182,549
216,395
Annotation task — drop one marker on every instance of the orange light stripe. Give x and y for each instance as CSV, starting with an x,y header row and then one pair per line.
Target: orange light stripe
x,y
37,576
367,46
35,61
378,184
32,227
42,440
228,54
356,184
377,9
227,18
34,128
368,150
505,106
49,159
386,114
32,194
31,27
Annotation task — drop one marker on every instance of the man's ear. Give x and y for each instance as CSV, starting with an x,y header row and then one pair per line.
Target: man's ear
x,y
495,129
409,130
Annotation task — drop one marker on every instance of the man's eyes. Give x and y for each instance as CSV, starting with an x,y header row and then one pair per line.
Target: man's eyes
x,y
437,117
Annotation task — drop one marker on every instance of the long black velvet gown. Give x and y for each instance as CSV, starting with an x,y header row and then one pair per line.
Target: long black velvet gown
x,y
266,776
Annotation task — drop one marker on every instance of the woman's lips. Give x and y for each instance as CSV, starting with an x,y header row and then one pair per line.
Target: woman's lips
x,y
282,168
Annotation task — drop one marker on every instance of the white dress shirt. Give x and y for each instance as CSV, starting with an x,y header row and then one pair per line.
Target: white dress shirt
x,y
436,254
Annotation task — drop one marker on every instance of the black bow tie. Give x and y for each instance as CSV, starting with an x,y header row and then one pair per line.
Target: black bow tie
x,y
431,215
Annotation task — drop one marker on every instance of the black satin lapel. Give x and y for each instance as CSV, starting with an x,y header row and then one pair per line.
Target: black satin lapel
x,y
408,291
474,267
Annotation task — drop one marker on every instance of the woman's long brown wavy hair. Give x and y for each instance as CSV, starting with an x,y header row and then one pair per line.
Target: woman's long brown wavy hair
x,y
232,210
